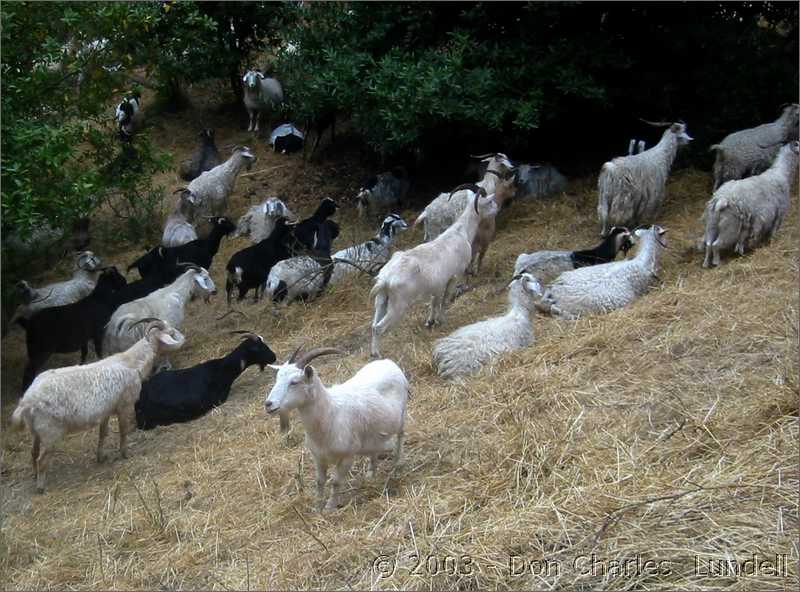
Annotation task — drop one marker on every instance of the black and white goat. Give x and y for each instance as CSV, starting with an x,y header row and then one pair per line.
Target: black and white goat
x,y
129,116
178,396
368,256
250,267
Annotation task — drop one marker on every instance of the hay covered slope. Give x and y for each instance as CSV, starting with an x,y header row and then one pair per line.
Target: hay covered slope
x,y
665,432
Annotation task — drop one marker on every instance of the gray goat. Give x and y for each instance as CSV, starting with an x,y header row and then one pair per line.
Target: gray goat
x,y
260,94
751,151
632,188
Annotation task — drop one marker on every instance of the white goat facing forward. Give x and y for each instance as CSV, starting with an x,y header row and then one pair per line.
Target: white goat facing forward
x,y
363,416
260,94
77,398
427,271
631,189
259,221
467,349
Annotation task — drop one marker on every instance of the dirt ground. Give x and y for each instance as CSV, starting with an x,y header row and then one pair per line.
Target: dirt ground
x,y
650,448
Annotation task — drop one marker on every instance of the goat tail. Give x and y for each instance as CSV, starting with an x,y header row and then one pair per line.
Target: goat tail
x,y
713,211
714,148
21,417
379,287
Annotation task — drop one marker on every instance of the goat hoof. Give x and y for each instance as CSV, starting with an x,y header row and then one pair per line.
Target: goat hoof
x,y
39,490
101,458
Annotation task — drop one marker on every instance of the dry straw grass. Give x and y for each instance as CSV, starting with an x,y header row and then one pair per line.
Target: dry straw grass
x,y
667,432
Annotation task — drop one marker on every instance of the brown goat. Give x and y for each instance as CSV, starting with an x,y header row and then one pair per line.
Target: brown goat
x,y
503,194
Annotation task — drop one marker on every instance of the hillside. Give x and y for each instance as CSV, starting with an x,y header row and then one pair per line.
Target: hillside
x,y
665,432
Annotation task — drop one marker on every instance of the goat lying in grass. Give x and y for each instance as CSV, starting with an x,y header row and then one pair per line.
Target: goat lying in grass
x,y
177,396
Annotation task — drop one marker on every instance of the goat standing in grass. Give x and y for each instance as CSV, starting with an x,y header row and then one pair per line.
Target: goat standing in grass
x,y
744,213
362,416
428,270
260,94
631,189
78,398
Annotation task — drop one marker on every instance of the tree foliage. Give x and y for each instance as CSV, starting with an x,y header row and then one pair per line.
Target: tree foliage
x,y
552,78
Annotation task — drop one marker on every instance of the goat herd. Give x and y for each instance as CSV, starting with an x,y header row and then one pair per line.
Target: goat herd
x,y
136,325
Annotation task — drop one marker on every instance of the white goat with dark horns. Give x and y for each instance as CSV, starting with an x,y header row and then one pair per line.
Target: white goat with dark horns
x,y
362,416
631,188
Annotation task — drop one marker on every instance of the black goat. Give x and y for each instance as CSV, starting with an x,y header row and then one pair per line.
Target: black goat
x,y
324,120
68,328
313,233
205,158
606,251
178,396
249,268
160,260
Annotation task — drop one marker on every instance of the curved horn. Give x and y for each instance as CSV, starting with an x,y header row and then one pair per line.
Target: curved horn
x,y
247,335
306,358
472,187
147,330
656,123
180,190
487,155
293,357
477,197
189,265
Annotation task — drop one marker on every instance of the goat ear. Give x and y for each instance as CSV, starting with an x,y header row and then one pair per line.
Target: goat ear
x,y
308,373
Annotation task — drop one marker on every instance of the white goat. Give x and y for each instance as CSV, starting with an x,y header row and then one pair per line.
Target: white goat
x,y
751,151
368,256
631,189
258,222
446,207
606,287
80,285
167,304
213,187
363,416
546,266
179,228
77,398
427,271
467,349
746,212
260,94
